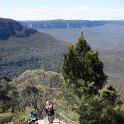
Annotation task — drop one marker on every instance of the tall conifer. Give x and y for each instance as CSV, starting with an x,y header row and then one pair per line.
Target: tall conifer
x,y
83,63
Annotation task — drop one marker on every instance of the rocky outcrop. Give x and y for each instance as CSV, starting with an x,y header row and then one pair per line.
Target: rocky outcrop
x,y
56,24
25,32
9,27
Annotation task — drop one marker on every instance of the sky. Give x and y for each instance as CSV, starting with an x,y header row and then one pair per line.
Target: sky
x,y
62,9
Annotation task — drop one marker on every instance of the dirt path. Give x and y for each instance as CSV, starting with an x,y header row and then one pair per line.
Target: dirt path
x,y
45,121
40,122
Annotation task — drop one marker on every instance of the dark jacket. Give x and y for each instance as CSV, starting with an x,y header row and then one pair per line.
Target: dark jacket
x,y
50,111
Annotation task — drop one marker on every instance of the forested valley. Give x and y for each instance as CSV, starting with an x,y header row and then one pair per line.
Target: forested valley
x,y
36,67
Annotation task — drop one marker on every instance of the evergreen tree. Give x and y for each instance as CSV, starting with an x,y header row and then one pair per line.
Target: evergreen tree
x,y
84,77
83,63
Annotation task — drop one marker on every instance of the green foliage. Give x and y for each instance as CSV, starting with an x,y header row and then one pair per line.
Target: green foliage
x,y
18,117
92,109
32,95
5,117
33,88
84,78
4,87
6,98
109,94
95,111
82,63
40,85
36,86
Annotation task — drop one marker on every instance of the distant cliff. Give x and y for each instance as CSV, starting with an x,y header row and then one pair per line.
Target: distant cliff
x,y
55,24
9,27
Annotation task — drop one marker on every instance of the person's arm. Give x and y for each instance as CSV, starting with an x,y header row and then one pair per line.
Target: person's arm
x,y
36,116
45,111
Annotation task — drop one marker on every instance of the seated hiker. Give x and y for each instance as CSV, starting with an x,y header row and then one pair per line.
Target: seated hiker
x,y
33,117
49,112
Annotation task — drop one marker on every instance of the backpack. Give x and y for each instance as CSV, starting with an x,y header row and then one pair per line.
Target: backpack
x,y
33,116
50,110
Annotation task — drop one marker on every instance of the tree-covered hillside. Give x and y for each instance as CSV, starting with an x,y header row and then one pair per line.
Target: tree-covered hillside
x,y
18,54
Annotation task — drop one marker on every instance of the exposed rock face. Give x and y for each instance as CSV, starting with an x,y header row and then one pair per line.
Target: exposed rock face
x,y
25,32
9,27
57,24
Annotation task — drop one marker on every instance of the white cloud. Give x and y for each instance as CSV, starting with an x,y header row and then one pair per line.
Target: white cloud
x,y
52,13
81,12
33,11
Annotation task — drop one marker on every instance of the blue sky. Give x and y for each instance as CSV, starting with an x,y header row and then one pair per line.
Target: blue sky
x,y
62,9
